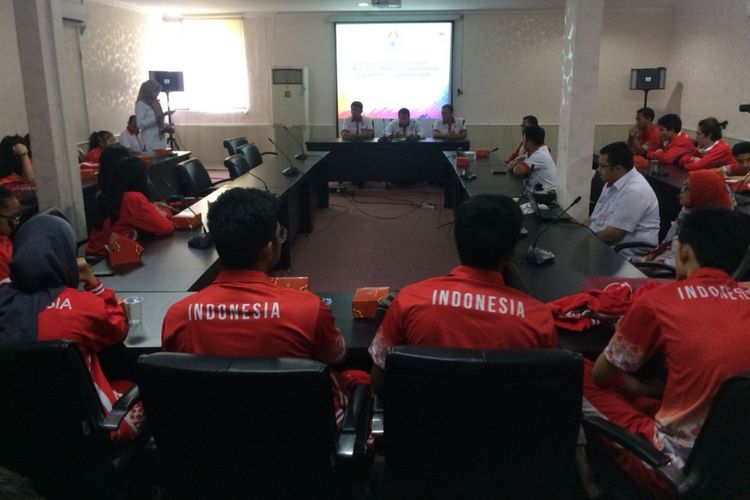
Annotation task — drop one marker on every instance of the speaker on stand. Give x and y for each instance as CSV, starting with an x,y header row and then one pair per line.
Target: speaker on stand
x,y
646,79
170,81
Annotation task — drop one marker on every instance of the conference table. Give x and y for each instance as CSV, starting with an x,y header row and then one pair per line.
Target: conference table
x,y
170,269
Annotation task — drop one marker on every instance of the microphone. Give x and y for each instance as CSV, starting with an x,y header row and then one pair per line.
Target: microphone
x,y
291,170
261,180
537,255
495,149
300,156
202,241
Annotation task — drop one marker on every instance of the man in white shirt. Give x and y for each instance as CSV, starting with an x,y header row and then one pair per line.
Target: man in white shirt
x,y
450,127
356,127
627,210
130,138
536,162
403,127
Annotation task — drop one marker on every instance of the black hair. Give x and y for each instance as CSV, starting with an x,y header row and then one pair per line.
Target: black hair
x,y
719,237
530,119
646,112
241,221
487,229
357,104
741,148
711,127
671,122
111,156
10,163
132,118
404,111
618,153
449,107
535,134
5,195
96,139
128,174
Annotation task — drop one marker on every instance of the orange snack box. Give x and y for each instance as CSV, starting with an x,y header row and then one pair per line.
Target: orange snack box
x,y
365,301
483,153
462,162
187,221
300,283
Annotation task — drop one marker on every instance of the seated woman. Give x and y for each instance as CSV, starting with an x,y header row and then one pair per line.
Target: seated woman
x,y
712,151
16,172
123,207
704,188
97,142
43,303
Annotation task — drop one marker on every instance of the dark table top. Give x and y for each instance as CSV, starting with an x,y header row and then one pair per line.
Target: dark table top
x,y
429,143
175,158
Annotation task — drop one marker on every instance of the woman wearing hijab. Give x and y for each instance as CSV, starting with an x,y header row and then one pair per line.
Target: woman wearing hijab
x,y
150,116
123,206
703,188
43,303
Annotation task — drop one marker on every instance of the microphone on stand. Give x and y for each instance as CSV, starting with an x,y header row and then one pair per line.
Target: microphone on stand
x,y
299,156
291,170
537,255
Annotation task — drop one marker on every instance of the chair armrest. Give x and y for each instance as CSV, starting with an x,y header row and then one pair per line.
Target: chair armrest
x,y
121,408
353,435
632,244
377,417
632,443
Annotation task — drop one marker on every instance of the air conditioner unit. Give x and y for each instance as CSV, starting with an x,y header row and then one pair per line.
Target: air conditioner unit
x,y
386,4
290,96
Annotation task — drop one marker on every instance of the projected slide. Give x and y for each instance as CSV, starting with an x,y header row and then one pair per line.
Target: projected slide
x,y
389,66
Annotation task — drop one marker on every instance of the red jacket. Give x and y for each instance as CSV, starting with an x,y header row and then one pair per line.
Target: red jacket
x,y
717,155
650,140
93,155
671,153
136,214
6,252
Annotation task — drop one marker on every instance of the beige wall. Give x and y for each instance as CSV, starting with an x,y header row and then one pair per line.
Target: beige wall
x,y
12,106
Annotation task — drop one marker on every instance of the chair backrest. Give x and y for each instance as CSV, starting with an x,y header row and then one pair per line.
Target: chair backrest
x,y
462,423
193,177
231,145
50,407
240,427
237,165
719,464
252,153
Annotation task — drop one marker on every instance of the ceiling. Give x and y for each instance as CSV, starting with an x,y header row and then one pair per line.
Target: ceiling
x,y
264,6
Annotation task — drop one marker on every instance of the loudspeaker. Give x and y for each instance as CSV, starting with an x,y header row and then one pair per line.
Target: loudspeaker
x,y
170,81
648,78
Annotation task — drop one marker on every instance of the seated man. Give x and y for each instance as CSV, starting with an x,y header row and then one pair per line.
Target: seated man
x,y
450,127
537,161
627,210
403,127
242,313
356,126
130,138
675,142
741,153
643,136
697,325
525,122
471,307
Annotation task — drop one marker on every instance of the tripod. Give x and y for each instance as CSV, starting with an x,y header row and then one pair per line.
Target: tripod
x,y
171,139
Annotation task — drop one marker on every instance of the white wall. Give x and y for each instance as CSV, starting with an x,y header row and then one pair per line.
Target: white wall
x,y
12,106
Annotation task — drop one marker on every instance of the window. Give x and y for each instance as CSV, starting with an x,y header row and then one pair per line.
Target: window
x,y
211,55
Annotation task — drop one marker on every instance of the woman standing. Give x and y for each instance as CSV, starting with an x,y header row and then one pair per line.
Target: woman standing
x,y
150,116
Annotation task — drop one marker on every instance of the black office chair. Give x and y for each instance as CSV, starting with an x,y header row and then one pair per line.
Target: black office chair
x,y
253,154
718,466
462,423
237,165
53,429
231,145
249,427
194,178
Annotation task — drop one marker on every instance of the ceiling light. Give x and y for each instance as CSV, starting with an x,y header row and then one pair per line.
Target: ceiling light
x,y
363,4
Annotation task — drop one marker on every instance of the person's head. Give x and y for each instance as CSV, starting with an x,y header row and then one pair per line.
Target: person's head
x,y
704,188
149,91
447,112
644,117
404,116
10,163
741,153
669,126
356,109
133,125
108,162
533,136
527,121
127,175
44,254
709,131
487,228
712,237
101,139
10,212
244,225
615,160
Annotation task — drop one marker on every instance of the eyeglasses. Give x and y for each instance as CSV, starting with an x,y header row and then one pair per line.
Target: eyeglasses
x,y
12,219
283,233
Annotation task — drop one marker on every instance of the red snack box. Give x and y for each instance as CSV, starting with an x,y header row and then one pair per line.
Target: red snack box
x,y
187,221
300,283
365,301
483,153
462,162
